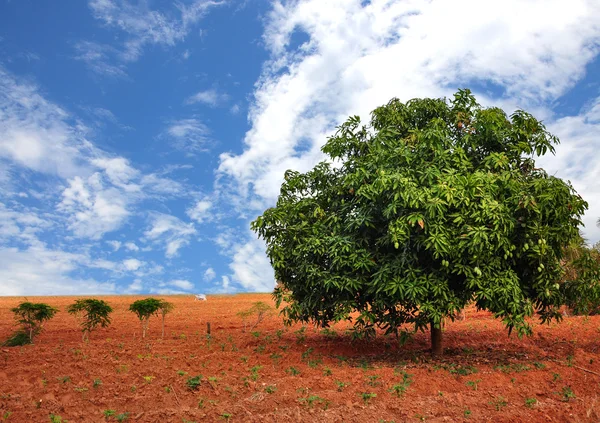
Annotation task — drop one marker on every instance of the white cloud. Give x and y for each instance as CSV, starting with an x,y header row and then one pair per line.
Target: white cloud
x,y
93,208
136,286
114,244
144,26
171,231
211,98
577,159
189,135
35,133
39,271
97,58
131,246
132,264
250,266
201,211
209,274
182,284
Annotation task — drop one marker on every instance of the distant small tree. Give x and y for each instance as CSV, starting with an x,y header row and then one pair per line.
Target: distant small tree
x,y
144,309
92,312
31,316
165,308
258,309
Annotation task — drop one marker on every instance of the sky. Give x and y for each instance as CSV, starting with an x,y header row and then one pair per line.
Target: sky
x,y
139,138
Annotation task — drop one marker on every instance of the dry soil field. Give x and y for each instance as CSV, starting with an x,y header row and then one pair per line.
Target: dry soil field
x,y
278,374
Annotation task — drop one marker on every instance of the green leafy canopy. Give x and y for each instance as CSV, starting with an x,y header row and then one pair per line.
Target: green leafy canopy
x,y
434,204
93,312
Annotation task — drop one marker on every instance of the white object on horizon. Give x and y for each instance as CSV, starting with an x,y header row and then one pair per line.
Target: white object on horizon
x,y
200,297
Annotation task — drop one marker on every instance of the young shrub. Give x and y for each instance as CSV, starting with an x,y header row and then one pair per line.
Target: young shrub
x,y
258,309
165,308
92,312
31,317
144,309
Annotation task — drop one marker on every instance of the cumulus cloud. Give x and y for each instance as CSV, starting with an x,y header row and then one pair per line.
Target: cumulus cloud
x,y
201,211
114,244
182,284
170,231
41,271
131,246
209,274
132,264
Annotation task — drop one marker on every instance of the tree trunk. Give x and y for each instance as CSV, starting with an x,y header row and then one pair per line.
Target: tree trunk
x,y
436,340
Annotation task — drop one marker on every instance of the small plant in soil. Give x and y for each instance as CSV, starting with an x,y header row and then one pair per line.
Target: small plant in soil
x,y
148,379
530,402
467,413
121,417
193,383
144,309
259,310
556,377
293,371
567,393
301,334
254,372
226,416
372,381
109,413
92,313
6,415
499,402
55,418
181,373
64,379
400,388
473,384
539,366
96,383
341,385
367,396
327,371
31,317
270,389
313,399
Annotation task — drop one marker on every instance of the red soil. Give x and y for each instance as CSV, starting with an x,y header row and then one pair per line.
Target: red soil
x,y
146,379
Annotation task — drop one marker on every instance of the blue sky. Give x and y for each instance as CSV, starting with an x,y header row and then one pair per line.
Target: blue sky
x,y
138,139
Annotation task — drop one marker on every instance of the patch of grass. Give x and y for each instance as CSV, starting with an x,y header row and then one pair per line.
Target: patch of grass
x,y
181,373
109,413
270,389
327,371
121,417
538,365
55,418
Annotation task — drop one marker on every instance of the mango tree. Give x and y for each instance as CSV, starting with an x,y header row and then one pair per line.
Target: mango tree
x,y
432,205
